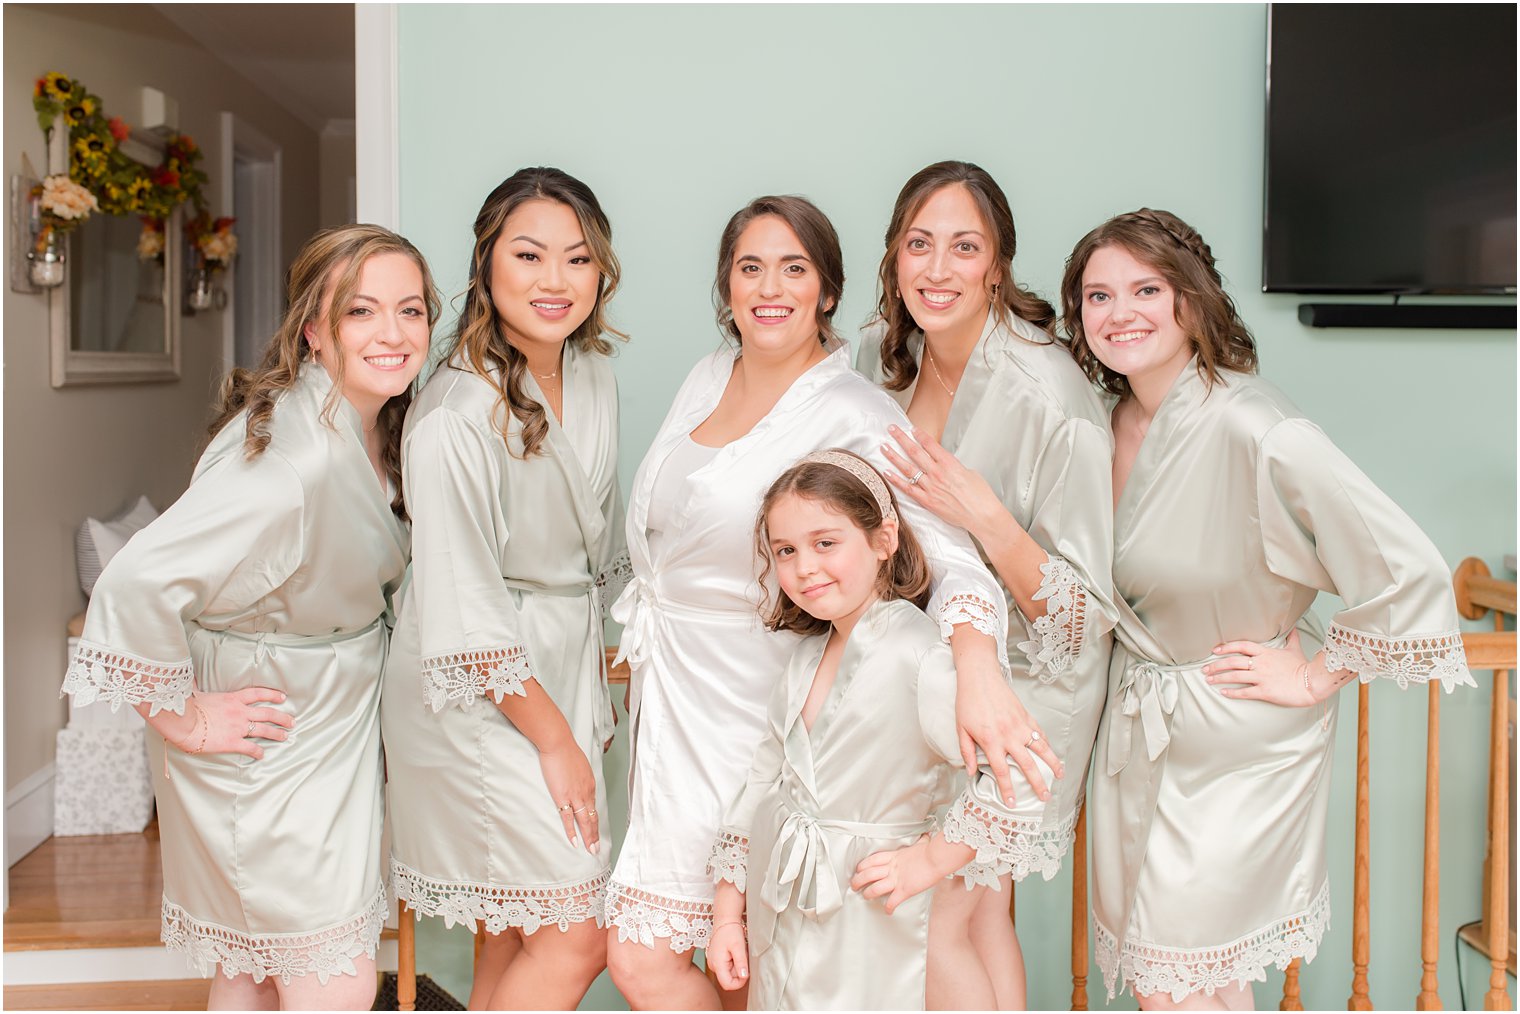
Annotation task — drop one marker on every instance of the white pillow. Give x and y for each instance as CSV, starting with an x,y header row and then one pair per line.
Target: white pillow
x,y
98,541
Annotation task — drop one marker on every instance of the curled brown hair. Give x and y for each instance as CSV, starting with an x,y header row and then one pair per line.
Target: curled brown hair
x,y
903,575
1008,297
479,333
1204,310
329,263
819,241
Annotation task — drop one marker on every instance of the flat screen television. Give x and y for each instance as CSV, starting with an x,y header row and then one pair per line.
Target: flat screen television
x,y
1390,149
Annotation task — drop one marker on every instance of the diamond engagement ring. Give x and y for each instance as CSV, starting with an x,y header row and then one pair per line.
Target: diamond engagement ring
x,y
1034,737
916,476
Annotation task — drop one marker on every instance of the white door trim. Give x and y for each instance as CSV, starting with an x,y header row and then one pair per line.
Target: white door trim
x,y
260,256
377,111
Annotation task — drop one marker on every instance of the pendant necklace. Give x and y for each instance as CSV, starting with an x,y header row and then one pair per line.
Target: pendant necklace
x,y
930,357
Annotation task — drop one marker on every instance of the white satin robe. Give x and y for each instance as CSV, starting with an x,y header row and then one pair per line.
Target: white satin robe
x,y
1208,815
703,666
1027,420
881,759
511,560
275,572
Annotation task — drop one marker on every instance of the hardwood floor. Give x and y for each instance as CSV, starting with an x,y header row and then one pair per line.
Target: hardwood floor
x,y
179,994
90,891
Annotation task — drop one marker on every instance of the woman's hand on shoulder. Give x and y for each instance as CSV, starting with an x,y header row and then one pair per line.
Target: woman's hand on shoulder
x,y
937,481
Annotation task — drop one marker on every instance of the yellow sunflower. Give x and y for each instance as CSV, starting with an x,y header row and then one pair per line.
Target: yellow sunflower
x,y
77,112
57,85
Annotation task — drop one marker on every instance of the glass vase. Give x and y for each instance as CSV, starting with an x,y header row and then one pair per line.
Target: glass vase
x,y
47,259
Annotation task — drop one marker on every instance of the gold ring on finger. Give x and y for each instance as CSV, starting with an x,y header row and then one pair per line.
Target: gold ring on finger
x,y
565,808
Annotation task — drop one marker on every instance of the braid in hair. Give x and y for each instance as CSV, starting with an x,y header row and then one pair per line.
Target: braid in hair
x,y
1204,310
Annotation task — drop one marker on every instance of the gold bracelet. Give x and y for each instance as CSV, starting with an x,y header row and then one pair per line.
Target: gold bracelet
x,y
201,722
732,922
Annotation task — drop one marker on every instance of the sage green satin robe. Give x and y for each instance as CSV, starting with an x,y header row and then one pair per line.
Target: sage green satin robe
x,y
1208,814
510,572
275,572
1027,420
881,759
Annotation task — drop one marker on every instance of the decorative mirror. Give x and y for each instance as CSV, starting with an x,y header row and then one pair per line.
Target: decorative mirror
x,y
117,317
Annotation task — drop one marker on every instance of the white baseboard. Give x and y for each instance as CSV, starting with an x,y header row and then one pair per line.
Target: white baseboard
x,y
119,964
28,815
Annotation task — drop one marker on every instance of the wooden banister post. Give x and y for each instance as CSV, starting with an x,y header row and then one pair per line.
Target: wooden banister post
x,y
1430,916
1497,997
406,958
1361,908
1079,912
1292,994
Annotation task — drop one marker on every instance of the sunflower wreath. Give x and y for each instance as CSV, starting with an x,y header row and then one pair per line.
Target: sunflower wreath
x,y
121,184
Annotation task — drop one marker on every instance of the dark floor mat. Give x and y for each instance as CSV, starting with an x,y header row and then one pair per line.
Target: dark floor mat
x,y
430,995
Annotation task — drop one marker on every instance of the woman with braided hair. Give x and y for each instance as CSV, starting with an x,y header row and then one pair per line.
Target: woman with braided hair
x,y
1211,777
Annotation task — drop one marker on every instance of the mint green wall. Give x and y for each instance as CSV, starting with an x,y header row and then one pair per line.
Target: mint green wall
x,y
677,115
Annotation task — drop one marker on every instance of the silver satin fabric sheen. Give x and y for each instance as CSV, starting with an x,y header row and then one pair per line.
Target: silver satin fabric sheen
x,y
277,572
703,666
1025,418
1208,815
506,556
882,758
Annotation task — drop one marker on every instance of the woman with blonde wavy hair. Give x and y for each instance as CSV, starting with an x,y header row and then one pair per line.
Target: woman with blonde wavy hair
x,y
496,707
247,625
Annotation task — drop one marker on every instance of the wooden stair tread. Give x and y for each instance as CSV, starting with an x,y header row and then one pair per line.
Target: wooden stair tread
x,y
150,994
1476,937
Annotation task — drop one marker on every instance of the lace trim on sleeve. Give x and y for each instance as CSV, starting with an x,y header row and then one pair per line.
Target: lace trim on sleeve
x,y
1404,660
1058,634
612,580
729,859
98,673
972,609
1004,846
463,677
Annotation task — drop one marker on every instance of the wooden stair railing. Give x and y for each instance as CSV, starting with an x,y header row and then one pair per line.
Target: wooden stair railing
x,y
1477,593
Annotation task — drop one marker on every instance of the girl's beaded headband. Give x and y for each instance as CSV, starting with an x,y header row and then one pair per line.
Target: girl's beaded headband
x,y
862,471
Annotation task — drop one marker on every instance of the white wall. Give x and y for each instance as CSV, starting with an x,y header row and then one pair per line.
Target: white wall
x,y
87,451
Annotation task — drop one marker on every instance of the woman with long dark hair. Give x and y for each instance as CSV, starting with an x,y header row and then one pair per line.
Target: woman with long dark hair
x,y
1012,445
496,707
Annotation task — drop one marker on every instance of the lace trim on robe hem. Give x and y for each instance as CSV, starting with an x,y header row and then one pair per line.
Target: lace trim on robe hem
x,y
1003,846
972,609
98,673
643,916
611,581
1404,660
1058,634
463,677
326,952
526,908
730,858
1147,968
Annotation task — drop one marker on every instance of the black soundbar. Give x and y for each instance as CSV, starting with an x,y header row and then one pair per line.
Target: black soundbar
x,y
1466,317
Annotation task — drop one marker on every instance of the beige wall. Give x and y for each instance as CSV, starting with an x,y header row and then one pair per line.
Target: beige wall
x,y
80,452
338,166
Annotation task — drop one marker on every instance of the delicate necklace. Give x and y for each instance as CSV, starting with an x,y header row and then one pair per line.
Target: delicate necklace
x,y
550,376
930,357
